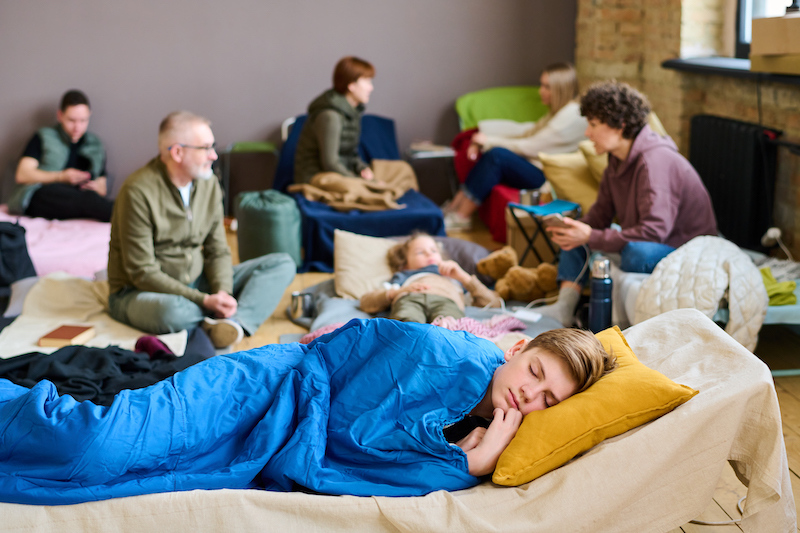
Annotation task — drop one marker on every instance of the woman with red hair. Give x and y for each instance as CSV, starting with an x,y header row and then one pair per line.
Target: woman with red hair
x,y
330,136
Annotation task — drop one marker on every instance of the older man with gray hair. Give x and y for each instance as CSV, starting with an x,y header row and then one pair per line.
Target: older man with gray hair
x,y
169,265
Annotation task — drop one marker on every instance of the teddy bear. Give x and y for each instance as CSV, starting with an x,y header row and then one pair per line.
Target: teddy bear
x,y
515,282
496,264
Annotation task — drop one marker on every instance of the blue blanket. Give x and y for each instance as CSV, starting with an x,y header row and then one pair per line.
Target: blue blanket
x,y
358,411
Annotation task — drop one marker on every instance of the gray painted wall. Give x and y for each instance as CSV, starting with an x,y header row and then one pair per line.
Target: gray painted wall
x,y
249,64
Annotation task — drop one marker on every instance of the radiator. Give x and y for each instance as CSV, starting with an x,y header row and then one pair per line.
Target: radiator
x,y
737,163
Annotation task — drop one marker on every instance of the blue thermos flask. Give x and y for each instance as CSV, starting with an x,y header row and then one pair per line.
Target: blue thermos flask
x,y
600,298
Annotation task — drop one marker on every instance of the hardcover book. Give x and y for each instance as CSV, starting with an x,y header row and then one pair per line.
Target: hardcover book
x,y
67,335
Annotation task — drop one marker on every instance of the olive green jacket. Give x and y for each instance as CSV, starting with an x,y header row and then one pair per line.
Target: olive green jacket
x,y
329,140
158,245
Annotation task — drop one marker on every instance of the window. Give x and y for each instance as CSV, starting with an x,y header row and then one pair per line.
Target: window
x,y
755,9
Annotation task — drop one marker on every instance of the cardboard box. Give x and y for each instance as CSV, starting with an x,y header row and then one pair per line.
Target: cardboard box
x,y
776,64
775,36
516,240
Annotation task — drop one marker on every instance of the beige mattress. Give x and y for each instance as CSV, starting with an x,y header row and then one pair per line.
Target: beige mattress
x,y
653,478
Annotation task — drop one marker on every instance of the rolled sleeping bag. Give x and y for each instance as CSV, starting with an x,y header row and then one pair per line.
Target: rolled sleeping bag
x,y
269,221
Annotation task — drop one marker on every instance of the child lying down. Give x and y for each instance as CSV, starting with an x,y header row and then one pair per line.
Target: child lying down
x,y
425,285
364,410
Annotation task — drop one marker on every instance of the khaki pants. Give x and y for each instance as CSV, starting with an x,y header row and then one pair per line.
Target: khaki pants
x,y
423,308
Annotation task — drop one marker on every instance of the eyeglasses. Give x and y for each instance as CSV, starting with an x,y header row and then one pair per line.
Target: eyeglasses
x,y
208,149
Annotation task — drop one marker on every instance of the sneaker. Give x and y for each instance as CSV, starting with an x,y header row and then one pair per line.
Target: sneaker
x,y
445,207
223,332
455,222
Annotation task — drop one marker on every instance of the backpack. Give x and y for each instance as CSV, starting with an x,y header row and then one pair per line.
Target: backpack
x,y
15,263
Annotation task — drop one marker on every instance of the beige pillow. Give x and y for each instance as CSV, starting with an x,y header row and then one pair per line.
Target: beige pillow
x,y
570,178
359,263
597,163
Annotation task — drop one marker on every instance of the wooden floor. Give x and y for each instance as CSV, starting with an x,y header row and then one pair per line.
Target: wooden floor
x,y
778,347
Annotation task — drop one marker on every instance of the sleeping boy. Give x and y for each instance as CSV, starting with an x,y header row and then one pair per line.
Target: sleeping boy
x,y
363,410
425,285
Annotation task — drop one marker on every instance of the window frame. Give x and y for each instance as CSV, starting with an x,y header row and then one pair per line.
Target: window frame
x,y
742,50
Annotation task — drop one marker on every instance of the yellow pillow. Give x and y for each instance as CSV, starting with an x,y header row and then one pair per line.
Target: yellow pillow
x,y
656,125
597,163
626,398
359,263
570,178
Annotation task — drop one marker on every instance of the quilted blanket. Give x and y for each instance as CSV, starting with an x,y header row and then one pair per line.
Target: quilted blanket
x,y
358,411
699,275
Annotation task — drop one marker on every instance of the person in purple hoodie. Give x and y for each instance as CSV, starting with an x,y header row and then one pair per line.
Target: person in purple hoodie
x,y
653,192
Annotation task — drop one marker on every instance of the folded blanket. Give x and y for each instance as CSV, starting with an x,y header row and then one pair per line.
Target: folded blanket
x,y
392,180
780,293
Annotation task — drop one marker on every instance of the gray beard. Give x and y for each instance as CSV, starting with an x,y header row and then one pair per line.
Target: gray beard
x,y
205,175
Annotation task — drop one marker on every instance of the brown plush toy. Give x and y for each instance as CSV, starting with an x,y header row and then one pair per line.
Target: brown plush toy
x,y
527,284
496,264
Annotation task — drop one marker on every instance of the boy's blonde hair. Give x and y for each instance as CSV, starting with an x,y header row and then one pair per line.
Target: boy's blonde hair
x,y
587,359
397,256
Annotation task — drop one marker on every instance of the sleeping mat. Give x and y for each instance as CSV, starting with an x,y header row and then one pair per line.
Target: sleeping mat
x,y
358,411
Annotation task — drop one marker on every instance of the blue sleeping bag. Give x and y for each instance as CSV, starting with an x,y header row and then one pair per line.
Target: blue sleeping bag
x,y
358,411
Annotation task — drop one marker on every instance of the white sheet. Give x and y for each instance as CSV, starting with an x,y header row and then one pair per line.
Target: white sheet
x,y
654,478
59,299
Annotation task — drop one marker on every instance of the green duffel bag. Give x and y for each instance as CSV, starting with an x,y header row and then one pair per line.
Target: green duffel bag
x,y
269,222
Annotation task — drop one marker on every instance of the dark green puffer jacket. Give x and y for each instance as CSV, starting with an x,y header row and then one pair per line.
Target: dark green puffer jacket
x,y
329,140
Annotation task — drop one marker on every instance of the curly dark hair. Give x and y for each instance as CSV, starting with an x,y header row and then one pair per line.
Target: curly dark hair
x,y
617,105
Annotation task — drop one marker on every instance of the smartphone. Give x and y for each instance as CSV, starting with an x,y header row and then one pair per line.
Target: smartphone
x,y
554,220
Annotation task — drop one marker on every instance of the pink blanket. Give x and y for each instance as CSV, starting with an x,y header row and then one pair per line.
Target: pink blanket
x,y
491,329
77,247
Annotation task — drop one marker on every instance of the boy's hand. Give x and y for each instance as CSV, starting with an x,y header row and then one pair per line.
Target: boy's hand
x,y
502,429
471,441
483,457
451,269
576,234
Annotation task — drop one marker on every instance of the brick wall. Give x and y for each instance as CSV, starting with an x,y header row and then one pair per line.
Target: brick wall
x,y
702,27
629,39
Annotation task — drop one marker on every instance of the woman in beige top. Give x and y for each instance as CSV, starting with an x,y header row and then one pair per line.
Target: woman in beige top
x,y
514,161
